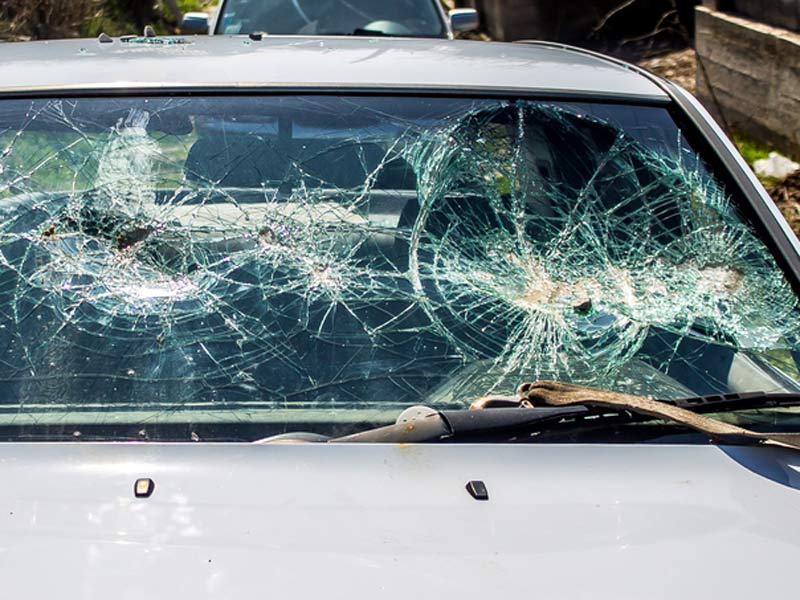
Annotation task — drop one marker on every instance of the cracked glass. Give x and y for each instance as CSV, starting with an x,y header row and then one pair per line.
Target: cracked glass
x,y
234,267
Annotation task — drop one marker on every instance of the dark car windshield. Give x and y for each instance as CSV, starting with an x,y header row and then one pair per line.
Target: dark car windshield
x,y
418,18
321,262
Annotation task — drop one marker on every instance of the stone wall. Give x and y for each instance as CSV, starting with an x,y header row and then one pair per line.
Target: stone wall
x,y
754,74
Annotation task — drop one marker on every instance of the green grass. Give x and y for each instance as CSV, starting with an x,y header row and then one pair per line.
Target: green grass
x,y
750,149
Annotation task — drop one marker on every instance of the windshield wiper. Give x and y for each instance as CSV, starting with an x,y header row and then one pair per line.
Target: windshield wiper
x,y
537,403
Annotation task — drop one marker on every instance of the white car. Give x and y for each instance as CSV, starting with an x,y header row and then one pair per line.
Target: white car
x,y
251,287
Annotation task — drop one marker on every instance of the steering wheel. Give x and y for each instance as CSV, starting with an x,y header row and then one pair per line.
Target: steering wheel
x,y
387,27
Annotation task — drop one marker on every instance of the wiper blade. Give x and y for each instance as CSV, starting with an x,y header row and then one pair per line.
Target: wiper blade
x,y
711,403
554,393
736,401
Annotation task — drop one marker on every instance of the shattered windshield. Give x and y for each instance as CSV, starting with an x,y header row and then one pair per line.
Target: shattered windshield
x,y
418,18
323,262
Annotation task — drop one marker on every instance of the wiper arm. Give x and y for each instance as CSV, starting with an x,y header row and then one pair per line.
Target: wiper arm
x,y
430,427
445,425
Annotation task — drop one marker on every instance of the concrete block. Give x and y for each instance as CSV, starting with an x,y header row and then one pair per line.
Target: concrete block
x,y
753,72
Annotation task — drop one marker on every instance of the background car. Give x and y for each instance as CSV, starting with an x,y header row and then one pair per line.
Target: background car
x,y
417,18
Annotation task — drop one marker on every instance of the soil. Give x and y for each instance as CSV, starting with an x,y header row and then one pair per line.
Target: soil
x,y
786,195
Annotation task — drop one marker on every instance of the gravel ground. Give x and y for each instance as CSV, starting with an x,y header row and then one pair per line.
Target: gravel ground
x,y
786,195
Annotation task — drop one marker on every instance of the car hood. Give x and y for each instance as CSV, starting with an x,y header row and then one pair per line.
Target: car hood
x,y
390,521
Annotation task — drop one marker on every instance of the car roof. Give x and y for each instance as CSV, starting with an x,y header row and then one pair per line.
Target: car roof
x,y
225,62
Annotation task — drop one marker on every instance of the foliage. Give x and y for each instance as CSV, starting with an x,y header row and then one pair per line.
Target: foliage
x,y
53,19
45,19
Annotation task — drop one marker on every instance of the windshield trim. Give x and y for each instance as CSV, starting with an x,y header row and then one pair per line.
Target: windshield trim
x,y
133,89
